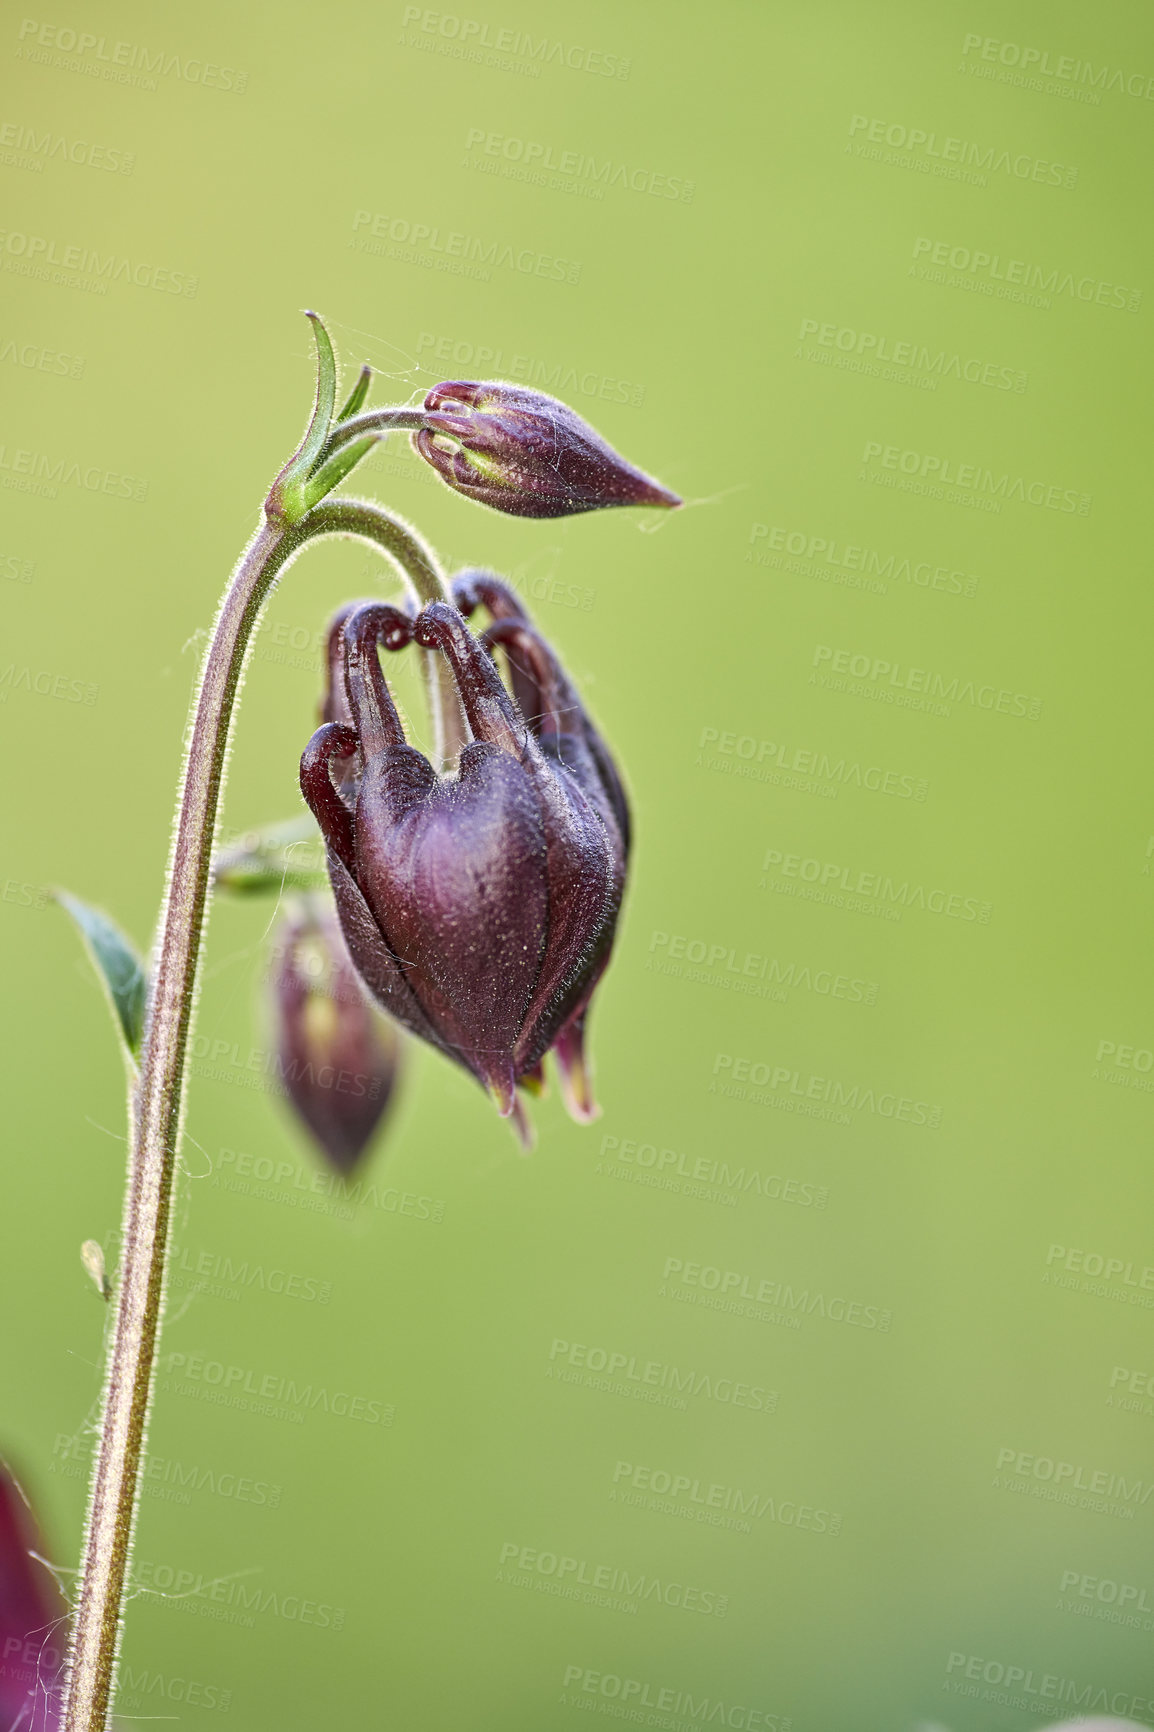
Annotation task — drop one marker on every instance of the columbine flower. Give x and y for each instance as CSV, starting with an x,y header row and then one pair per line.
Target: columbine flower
x,y
479,907
32,1621
525,453
337,1056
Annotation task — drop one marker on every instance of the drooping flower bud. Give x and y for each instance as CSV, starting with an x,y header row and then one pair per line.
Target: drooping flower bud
x,y
33,1620
479,907
525,453
336,1055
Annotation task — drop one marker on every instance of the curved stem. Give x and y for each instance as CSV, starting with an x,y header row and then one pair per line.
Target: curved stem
x,y
155,1128
157,1109
421,569
372,421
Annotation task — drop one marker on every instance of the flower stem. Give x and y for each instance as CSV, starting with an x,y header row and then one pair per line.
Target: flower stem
x,y
422,572
157,1107
371,421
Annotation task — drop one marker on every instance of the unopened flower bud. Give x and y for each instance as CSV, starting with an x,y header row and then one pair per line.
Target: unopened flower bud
x,y
337,1056
525,453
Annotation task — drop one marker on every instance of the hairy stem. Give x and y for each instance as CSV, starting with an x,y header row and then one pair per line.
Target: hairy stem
x,y
157,1108
155,1129
371,421
422,572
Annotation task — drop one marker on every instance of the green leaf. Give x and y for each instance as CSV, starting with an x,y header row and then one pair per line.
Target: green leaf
x,y
326,396
286,856
332,473
118,967
286,497
357,395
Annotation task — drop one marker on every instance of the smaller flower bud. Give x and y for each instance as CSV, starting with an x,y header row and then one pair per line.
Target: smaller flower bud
x,y
525,453
336,1055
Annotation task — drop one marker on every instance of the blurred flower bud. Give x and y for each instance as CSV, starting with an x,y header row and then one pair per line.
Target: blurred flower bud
x,y
525,453
479,906
337,1057
33,1620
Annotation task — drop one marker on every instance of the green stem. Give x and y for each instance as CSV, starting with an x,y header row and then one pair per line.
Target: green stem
x,y
371,421
422,572
157,1115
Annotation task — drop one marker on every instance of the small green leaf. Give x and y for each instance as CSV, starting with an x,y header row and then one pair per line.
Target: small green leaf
x,y
332,473
287,856
285,500
358,394
117,965
261,877
326,396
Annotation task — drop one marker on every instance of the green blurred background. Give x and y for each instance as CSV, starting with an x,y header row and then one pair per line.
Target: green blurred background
x,y
918,1484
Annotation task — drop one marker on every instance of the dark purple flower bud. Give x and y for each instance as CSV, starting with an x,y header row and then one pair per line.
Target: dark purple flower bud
x,y
33,1620
525,453
480,906
337,1056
